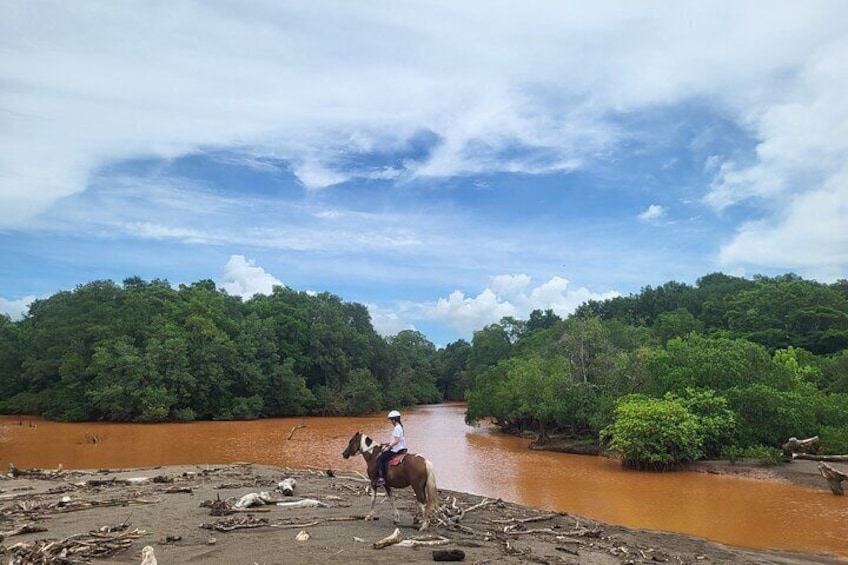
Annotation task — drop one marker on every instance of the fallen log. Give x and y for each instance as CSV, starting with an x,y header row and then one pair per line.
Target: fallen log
x,y
24,529
794,445
424,542
294,429
834,478
36,473
305,503
811,457
390,540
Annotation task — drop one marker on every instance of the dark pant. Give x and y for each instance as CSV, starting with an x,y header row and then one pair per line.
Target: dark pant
x,y
383,458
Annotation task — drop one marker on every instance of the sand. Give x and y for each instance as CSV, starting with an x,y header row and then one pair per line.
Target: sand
x,y
167,516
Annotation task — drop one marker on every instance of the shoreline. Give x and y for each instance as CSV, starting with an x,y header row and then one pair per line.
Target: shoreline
x,y
798,472
162,507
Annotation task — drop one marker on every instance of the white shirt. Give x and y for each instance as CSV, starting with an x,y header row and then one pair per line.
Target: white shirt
x,y
397,432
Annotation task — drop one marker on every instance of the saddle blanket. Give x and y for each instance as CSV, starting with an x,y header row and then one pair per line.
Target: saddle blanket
x,y
397,459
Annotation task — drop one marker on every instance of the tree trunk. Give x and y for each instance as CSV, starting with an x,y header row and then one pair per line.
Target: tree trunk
x,y
810,457
834,478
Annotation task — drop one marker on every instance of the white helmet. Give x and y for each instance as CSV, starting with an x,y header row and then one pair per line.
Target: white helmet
x,y
393,414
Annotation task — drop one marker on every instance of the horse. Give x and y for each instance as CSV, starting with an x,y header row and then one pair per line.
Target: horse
x,y
414,470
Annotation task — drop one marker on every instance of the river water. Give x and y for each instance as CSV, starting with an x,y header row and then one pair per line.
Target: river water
x,y
731,510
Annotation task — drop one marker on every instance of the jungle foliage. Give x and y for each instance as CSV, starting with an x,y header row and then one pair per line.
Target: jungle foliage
x,y
678,372
144,351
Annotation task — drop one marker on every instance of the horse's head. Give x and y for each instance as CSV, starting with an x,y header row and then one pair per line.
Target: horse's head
x,y
353,446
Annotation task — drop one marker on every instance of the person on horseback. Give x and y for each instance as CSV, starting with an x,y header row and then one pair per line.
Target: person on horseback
x,y
395,446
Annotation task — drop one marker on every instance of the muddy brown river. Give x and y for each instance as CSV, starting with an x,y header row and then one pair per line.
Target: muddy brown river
x,y
731,510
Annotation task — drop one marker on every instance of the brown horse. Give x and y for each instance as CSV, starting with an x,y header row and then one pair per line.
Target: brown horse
x,y
414,471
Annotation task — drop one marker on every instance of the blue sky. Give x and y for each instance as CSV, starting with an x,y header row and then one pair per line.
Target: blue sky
x,y
444,163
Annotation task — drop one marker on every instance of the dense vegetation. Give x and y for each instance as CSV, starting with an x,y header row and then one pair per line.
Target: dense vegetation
x,y
675,373
147,352
665,376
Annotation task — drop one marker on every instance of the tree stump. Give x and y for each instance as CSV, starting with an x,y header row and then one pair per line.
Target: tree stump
x,y
834,478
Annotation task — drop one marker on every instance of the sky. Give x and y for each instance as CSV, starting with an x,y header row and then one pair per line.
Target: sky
x,y
444,163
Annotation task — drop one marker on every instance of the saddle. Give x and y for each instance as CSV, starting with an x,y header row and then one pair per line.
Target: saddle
x,y
397,459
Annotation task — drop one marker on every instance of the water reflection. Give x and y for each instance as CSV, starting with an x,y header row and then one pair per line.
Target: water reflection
x,y
480,460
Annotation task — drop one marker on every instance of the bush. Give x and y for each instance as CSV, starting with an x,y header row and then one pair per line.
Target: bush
x,y
184,415
833,440
733,453
769,417
654,434
764,455
717,421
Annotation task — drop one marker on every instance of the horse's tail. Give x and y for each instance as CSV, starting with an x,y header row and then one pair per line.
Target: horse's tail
x,y
432,492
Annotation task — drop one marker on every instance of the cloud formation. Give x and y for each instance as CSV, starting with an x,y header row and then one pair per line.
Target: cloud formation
x,y
508,295
15,309
244,278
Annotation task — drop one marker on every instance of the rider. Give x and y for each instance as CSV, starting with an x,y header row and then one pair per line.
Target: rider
x,y
395,446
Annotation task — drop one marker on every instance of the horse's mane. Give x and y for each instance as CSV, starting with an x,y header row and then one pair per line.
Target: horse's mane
x,y
368,441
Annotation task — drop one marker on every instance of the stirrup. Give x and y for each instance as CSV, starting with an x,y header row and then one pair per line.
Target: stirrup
x,y
380,482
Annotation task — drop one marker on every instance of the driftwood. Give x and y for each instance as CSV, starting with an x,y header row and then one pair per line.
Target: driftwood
x,y
524,520
795,446
811,457
423,542
36,473
24,529
390,540
82,548
295,428
834,478
287,486
290,526
236,523
796,449
148,557
305,503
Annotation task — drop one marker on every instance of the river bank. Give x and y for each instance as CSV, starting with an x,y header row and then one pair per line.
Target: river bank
x,y
167,508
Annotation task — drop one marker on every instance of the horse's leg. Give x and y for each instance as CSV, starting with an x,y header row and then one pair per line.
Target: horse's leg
x,y
422,509
392,500
370,515
425,522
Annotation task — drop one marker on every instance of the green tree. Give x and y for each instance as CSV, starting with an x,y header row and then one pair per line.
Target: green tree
x,y
654,434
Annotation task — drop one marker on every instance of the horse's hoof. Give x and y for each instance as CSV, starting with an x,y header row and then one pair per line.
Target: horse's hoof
x,y
369,517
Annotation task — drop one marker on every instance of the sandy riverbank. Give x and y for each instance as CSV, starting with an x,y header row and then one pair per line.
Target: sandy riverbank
x,y
165,512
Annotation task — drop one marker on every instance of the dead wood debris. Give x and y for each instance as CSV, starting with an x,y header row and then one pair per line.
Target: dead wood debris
x,y
74,549
295,428
800,449
236,523
833,477
45,474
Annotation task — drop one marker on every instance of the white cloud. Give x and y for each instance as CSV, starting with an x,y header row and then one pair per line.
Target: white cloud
x,y
16,309
243,278
530,91
508,297
809,238
799,179
388,322
652,213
